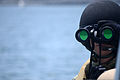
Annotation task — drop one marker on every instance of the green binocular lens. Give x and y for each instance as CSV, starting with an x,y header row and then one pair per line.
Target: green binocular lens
x,y
83,35
107,33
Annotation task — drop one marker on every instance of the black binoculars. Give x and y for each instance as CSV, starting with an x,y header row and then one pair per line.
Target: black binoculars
x,y
104,31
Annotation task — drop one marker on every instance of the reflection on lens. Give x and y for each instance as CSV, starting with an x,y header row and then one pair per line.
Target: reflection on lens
x,y
107,33
83,35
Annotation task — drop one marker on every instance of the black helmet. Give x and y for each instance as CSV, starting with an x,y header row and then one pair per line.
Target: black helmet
x,y
103,10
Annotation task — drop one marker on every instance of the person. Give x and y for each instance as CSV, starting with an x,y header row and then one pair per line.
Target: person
x,y
99,33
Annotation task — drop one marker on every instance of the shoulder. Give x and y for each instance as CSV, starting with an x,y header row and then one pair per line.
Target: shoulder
x,y
107,75
81,74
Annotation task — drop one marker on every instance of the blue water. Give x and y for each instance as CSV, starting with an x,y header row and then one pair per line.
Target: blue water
x,y
38,43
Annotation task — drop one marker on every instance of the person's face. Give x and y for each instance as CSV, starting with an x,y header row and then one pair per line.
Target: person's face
x,y
103,52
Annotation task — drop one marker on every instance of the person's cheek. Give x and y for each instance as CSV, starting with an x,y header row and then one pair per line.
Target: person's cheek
x,y
97,50
105,52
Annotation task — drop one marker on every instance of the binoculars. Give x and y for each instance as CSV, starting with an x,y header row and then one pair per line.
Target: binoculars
x,y
104,32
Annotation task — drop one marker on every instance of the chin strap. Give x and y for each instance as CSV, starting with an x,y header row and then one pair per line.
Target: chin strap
x,y
91,59
100,53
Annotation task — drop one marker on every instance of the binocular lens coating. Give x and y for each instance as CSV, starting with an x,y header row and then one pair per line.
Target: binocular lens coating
x,y
83,35
107,33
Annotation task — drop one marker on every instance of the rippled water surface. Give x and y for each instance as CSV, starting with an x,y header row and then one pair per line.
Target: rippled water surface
x,y
38,43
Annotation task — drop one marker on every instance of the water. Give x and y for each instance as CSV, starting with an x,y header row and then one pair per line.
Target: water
x,y
38,43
